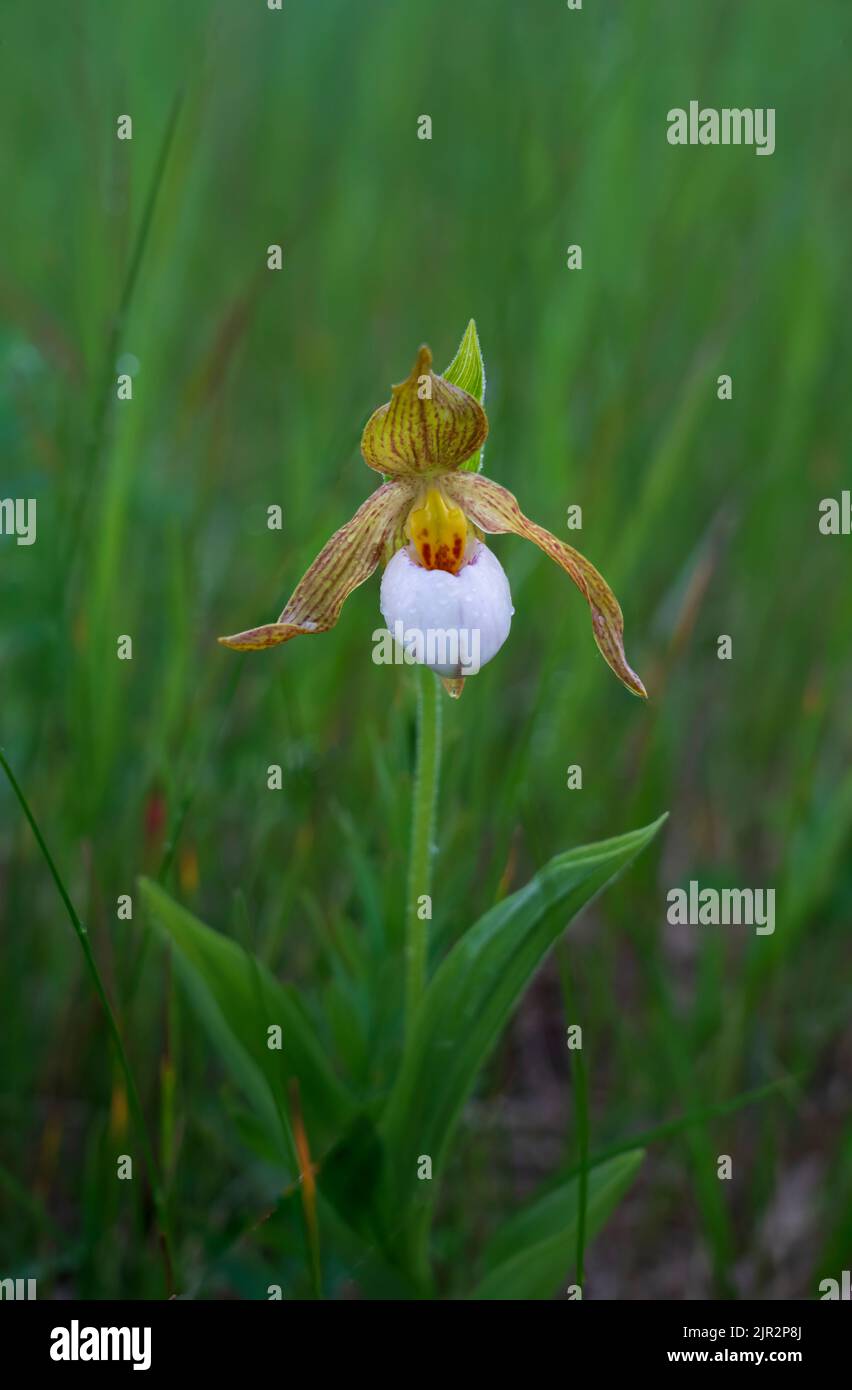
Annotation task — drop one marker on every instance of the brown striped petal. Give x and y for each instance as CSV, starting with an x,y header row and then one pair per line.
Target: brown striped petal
x,y
496,510
427,425
343,563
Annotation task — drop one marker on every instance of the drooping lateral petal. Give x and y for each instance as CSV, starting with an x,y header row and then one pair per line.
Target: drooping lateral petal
x,y
496,510
344,562
427,424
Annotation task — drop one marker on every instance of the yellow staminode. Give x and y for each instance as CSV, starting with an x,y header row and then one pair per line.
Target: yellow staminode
x,y
438,532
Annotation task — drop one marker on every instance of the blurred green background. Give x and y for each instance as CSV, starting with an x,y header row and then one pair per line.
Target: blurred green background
x,y
250,388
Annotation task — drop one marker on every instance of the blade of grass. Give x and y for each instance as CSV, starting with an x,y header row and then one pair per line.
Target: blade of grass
x,y
308,1187
28,1201
669,1128
105,393
166,1240
580,1088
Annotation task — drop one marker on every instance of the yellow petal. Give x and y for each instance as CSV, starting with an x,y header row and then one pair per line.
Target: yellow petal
x,y
496,510
427,425
343,563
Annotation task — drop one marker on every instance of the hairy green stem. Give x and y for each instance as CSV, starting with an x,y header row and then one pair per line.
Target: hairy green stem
x,y
422,836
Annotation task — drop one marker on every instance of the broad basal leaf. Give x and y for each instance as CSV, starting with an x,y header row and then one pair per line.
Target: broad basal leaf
x,y
238,1000
470,1000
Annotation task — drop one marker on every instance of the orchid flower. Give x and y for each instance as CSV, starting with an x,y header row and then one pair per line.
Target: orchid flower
x,y
427,523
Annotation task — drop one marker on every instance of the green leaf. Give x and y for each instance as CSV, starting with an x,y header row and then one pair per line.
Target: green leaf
x,y
467,370
351,1173
471,998
237,999
535,1250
